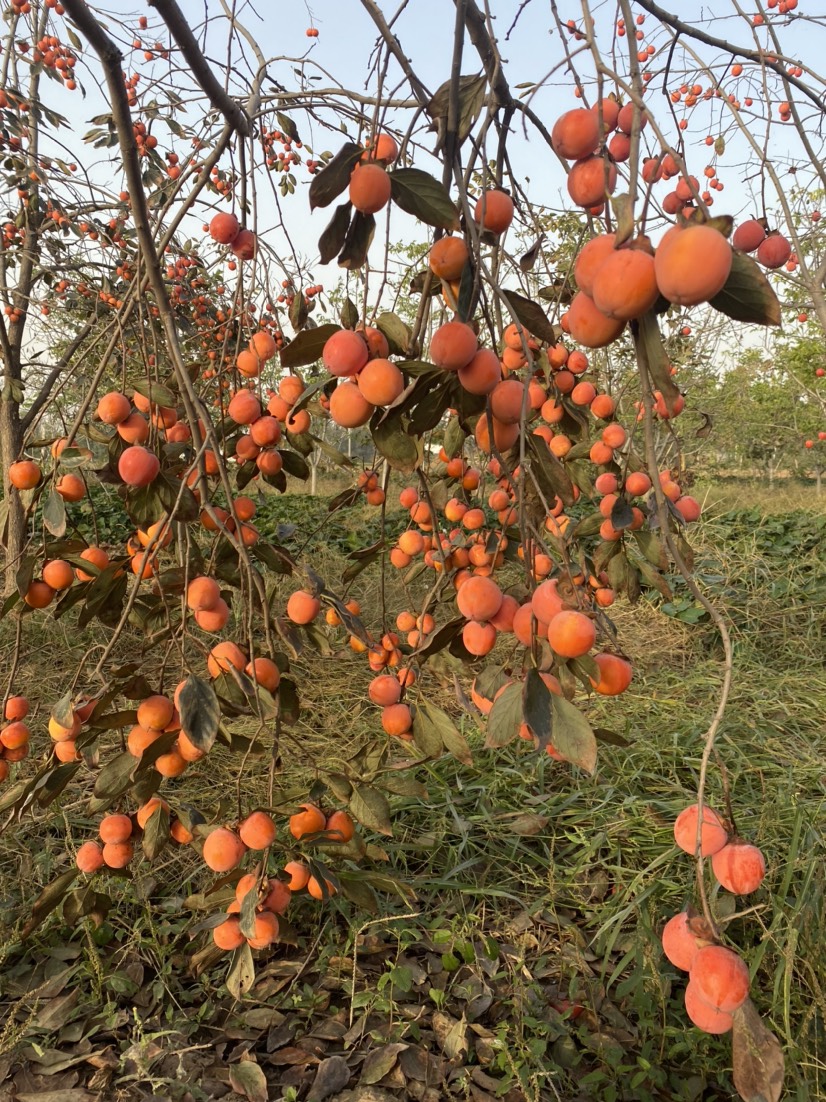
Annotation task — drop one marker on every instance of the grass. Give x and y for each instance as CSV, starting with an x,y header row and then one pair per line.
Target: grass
x,y
566,879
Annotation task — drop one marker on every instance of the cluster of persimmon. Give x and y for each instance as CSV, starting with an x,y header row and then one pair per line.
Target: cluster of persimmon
x,y
14,734
772,250
635,485
265,429
718,979
52,54
368,379
225,229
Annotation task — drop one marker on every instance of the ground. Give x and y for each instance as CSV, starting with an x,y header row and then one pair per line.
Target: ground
x,y
519,958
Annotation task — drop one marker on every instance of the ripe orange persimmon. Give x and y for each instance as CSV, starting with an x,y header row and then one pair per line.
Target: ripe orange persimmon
x,y
302,607
575,134
202,592
89,857
17,708
571,634
155,712
494,210
479,638
115,828
24,474
679,944
453,345
396,719
749,235
615,674
705,1017
590,259
740,867
223,850
38,595
588,325
720,978
223,656
348,406
713,837
384,690
590,180
310,820
298,873
448,257
481,374
625,286
480,598
138,466
117,855
257,831
774,251
227,935
113,408
224,228
692,264
317,891
345,353
341,825
380,382
264,672
244,408
370,188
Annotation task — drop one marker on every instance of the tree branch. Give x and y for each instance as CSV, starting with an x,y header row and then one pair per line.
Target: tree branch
x,y
761,58
180,30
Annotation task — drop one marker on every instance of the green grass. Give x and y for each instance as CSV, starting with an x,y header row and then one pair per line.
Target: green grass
x,y
566,879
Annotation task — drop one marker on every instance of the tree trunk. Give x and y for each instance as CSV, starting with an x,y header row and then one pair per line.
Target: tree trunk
x,y
14,536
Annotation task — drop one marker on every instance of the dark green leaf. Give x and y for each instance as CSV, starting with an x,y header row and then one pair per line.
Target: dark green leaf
x,y
328,184
536,707
155,832
472,90
157,393
287,126
747,295
334,235
241,975
353,254
200,712
349,313
307,346
401,450
549,472
397,333
532,317
649,346
420,194
571,734
371,809
295,464
505,717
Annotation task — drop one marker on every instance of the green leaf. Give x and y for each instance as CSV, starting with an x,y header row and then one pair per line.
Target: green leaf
x,y
426,734
157,393
241,975
747,295
420,194
648,343
357,243
371,809
549,472
454,439
116,777
472,91
287,126
398,334
571,734
200,712
532,317
334,234
155,832
307,346
349,312
536,707
54,514
651,546
355,888
401,450
505,717
51,896
328,184
295,464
